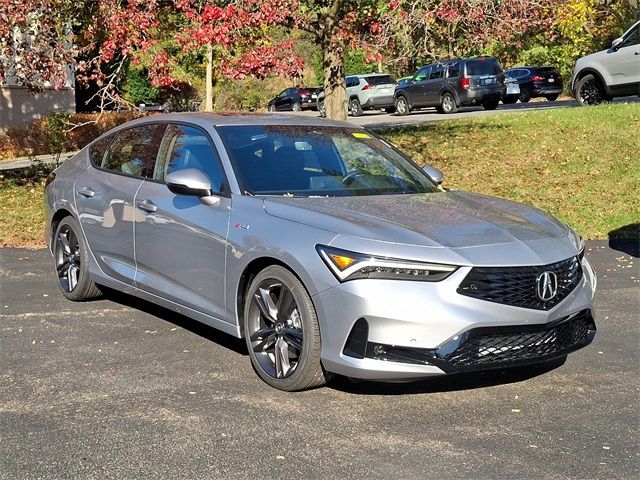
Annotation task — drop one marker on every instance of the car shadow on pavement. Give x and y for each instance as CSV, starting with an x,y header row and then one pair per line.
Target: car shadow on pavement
x,y
224,340
626,239
446,383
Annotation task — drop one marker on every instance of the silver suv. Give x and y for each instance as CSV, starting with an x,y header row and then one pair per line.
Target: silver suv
x,y
610,73
372,91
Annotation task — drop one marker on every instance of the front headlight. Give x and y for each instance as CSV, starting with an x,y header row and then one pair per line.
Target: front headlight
x,y
348,265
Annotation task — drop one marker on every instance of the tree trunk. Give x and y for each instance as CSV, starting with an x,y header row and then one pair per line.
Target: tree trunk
x,y
208,101
335,100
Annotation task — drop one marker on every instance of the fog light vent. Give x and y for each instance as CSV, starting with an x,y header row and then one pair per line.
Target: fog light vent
x,y
356,345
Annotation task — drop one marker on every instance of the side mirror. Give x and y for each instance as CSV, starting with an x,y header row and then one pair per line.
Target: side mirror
x,y
434,174
189,181
615,45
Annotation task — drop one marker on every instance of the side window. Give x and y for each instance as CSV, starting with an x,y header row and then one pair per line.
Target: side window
x,y
352,82
422,74
436,72
633,38
454,70
134,151
188,147
98,149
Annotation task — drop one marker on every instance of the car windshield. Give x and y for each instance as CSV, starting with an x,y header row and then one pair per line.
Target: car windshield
x,y
483,67
319,161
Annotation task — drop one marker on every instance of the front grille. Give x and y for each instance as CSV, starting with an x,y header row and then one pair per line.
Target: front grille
x,y
495,346
517,286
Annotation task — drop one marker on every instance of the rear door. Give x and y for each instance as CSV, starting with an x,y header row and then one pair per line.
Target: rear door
x,y
433,86
105,196
181,242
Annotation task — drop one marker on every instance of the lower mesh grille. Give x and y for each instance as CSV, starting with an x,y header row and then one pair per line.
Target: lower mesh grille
x,y
483,347
497,347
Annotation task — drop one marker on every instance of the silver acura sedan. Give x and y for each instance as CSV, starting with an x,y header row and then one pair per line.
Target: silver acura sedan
x,y
320,244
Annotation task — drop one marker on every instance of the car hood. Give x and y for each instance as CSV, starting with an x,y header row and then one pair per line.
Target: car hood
x,y
450,219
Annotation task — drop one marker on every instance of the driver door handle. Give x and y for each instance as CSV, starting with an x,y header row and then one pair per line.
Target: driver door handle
x,y
146,205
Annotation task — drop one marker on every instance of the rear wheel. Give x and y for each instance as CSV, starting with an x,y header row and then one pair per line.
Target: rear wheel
x,y
72,262
282,332
355,109
402,106
390,109
296,107
490,104
510,100
552,98
525,96
589,91
448,103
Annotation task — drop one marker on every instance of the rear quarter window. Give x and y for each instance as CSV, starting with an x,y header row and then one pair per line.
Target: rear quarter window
x,y
98,149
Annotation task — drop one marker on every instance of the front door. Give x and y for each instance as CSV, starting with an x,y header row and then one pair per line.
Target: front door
x,y
181,242
624,63
105,196
417,88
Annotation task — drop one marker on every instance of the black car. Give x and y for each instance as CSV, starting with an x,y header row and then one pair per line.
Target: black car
x,y
450,84
294,99
537,82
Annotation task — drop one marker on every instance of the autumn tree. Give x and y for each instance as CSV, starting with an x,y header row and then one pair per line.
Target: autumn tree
x,y
35,42
336,24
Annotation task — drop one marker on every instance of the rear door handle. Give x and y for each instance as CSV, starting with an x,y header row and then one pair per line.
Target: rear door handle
x,y
85,192
146,205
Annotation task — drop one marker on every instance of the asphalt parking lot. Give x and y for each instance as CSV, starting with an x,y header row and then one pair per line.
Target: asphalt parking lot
x,y
119,388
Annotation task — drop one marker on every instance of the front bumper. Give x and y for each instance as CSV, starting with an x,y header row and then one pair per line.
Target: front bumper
x,y
415,330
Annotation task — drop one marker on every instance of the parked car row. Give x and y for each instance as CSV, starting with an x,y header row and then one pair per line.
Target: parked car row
x,y
451,84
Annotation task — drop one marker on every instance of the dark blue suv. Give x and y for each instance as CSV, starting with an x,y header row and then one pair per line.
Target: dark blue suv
x,y
450,84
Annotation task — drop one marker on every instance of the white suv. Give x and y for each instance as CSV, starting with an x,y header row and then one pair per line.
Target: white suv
x,y
610,73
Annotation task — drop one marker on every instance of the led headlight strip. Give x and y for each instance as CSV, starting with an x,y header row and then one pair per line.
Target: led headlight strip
x,y
347,265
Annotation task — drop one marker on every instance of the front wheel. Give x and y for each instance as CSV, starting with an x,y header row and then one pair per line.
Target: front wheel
x,y
272,108
322,110
72,262
282,333
402,106
355,109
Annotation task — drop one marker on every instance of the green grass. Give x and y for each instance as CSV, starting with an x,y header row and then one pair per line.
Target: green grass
x,y
579,164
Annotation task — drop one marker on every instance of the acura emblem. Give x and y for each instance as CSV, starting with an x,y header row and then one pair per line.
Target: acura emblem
x,y
546,286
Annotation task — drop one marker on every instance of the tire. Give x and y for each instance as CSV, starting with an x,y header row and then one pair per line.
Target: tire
x,y
296,107
589,91
402,106
266,334
510,100
390,110
491,104
355,109
271,108
525,96
322,110
552,98
71,259
448,103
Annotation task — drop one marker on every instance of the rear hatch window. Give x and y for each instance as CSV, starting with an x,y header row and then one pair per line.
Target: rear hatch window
x,y
489,66
380,80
